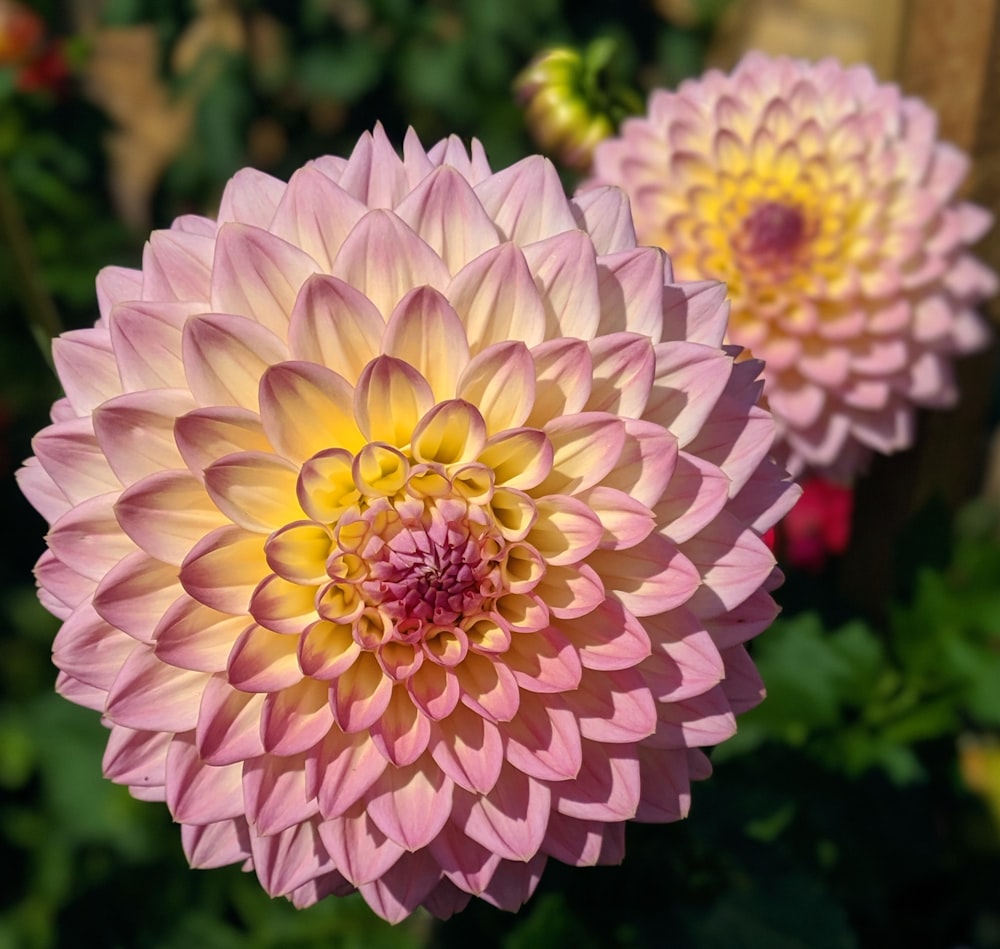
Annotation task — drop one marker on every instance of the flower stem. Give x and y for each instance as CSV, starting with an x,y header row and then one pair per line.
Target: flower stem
x,y
40,311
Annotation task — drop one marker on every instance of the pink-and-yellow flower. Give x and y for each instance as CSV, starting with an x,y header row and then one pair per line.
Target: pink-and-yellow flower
x,y
406,527
826,203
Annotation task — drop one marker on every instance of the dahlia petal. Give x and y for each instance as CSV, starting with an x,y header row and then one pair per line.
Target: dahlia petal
x,y
513,882
410,804
208,846
500,382
299,550
403,887
604,214
609,638
586,447
689,380
61,582
306,408
402,731
743,686
571,591
630,286
468,749
646,462
383,258
147,341
72,457
262,661
315,214
88,539
520,457
335,325
361,852
191,636
258,275
250,197
544,740
651,577
425,332
274,791
134,593
585,843
296,718
697,722
149,695
204,435
177,266
360,694
87,369
526,201
445,212
343,770
136,757
737,447
73,690
496,299
167,513
466,864
471,162
287,860
613,706
733,561
685,661
623,367
225,356
115,285
545,661
765,499
563,374
624,520
751,617
42,492
255,490
666,789
607,787
434,689
565,271
223,569
453,432
697,492
326,650
511,819
374,174
390,400
696,312
89,649
488,687
136,431
565,531
198,793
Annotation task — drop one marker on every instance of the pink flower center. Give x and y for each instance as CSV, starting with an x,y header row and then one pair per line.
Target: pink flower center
x,y
774,229
434,565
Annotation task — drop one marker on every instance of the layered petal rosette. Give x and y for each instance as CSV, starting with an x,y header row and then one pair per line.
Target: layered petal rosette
x,y
406,527
825,202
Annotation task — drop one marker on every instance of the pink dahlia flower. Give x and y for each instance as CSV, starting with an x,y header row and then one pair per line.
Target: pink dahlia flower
x,y
406,527
824,201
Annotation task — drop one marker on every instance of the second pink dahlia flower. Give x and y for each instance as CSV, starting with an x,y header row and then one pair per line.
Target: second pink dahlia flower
x,y
824,201
406,527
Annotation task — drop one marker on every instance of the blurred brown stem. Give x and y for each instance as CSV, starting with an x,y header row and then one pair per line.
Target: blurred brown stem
x,y
43,318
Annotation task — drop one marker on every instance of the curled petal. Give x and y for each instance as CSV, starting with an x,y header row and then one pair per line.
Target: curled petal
x,y
425,332
390,399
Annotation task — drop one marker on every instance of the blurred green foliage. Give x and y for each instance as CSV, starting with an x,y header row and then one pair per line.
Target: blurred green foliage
x,y
838,816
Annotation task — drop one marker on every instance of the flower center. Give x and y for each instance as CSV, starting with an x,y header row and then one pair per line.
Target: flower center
x,y
419,562
774,229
